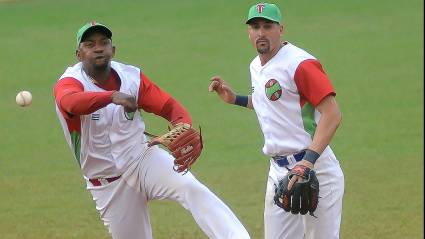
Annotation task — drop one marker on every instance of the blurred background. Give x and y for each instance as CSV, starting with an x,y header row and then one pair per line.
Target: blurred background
x,y
371,50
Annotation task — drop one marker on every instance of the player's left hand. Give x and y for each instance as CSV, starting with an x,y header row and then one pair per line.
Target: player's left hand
x,y
184,143
296,178
302,195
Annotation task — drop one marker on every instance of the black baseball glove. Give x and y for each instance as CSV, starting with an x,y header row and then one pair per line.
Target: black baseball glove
x,y
303,197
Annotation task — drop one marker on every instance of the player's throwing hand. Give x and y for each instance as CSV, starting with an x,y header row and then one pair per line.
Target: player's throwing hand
x,y
127,101
223,89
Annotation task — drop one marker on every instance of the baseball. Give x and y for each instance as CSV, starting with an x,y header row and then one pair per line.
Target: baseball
x,y
24,98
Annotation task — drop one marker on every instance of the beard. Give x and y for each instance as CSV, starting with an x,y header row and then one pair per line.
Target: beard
x,y
101,65
95,67
263,46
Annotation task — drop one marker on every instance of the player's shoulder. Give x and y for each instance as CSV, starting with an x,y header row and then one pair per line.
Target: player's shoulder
x,y
255,62
72,71
296,52
126,69
293,56
116,64
72,68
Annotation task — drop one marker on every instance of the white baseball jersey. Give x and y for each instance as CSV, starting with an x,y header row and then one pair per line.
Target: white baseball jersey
x,y
110,139
110,143
286,91
287,118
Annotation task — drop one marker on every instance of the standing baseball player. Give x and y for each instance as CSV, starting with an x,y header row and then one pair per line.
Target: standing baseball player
x,y
97,101
295,104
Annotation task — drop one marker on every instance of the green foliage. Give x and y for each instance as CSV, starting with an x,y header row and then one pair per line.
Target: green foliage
x,y
372,51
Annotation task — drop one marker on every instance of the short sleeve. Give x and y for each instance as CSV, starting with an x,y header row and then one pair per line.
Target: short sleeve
x,y
312,82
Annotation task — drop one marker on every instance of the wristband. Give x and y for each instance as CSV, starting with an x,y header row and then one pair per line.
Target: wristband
x,y
311,156
241,100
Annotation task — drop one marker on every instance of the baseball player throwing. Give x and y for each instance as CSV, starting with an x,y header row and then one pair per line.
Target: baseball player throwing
x,y
97,101
295,104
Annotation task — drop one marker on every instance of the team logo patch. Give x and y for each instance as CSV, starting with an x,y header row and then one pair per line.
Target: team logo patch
x,y
273,90
129,115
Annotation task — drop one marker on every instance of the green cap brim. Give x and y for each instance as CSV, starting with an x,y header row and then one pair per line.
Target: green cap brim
x,y
263,17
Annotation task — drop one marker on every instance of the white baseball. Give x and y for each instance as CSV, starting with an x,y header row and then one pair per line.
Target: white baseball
x,y
24,98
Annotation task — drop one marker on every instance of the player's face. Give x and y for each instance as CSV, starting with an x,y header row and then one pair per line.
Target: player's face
x,y
96,51
265,35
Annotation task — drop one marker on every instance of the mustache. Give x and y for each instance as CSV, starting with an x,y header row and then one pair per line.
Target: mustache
x,y
261,39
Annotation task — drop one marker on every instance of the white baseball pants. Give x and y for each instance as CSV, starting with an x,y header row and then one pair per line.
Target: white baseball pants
x,y
123,204
285,225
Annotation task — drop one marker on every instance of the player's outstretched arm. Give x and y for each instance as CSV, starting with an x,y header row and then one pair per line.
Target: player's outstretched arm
x,y
225,92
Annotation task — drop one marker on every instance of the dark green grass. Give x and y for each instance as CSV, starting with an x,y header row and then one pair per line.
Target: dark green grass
x,y
372,51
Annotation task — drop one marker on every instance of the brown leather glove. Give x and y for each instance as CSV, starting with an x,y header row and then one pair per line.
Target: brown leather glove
x,y
184,143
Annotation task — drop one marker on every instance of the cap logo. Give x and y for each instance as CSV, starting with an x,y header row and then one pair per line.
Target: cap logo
x,y
93,23
260,8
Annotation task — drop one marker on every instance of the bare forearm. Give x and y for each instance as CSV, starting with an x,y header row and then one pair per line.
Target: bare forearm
x,y
225,92
250,106
326,128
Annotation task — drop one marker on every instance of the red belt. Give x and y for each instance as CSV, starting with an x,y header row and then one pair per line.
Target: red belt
x,y
103,181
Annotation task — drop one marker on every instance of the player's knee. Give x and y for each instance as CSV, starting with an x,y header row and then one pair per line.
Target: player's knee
x,y
195,189
194,192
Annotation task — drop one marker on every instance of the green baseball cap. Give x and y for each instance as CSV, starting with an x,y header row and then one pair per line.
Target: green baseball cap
x,y
267,11
93,25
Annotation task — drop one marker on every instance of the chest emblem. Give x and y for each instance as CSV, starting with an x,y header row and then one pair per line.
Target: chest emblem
x,y
129,115
273,90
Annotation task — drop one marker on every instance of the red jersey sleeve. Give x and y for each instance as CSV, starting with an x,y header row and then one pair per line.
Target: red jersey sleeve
x,y
154,100
312,82
73,100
